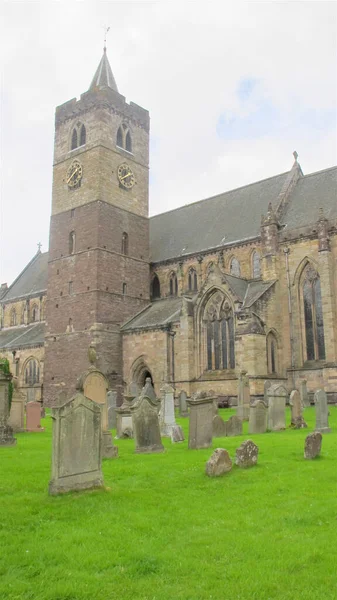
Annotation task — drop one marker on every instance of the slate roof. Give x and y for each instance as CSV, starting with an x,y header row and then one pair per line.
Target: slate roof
x,y
21,337
159,313
310,193
32,280
228,217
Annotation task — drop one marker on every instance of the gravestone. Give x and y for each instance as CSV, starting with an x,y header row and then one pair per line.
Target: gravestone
x,y
277,396
168,425
267,384
297,421
17,414
233,426
33,417
246,455
201,421
94,386
6,431
243,397
145,421
31,394
304,393
77,446
183,408
218,427
258,417
313,444
219,463
322,415
112,403
124,420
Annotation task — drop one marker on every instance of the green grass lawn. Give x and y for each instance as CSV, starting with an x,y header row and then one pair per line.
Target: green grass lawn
x,y
162,530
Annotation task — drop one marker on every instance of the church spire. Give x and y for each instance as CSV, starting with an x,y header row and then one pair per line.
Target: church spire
x,y
103,76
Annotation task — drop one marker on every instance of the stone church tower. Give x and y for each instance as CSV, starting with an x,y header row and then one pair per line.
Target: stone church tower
x,y
98,272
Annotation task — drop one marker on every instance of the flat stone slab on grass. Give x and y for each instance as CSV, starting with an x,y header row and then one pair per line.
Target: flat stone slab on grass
x,y
313,444
246,455
219,463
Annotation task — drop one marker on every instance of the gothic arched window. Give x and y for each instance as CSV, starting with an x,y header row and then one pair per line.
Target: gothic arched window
x,y
313,314
35,313
72,242
256,265
192,280
272,353
32,372
235,267
173,285
78,136
219,325
123,139
13,317
155,287
125,243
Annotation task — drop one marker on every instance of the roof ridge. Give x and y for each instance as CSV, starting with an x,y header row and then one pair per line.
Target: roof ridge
x,y
36,255
317,172
220,194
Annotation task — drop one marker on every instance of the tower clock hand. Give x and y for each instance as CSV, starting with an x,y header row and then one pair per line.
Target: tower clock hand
x,y
127,175
72,175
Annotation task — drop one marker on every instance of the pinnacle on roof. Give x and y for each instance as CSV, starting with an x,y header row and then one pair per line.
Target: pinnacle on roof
x,y
103,76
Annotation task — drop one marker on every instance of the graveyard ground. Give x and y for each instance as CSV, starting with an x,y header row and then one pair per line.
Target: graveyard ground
x,y
162,530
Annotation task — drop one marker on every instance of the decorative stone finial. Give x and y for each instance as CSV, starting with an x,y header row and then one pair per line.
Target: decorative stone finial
x,y
92,354
295,155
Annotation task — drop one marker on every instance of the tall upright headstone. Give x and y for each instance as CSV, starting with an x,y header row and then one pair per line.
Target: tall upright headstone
x,y
201,421
17,414
94,386
297,420
77,446
322,413
6,431
168,425
243,396
277,397
33,417
304,393
183,408
258,417
145,421
112,404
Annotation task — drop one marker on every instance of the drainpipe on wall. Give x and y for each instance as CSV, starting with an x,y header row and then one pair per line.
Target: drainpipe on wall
x,y
286,253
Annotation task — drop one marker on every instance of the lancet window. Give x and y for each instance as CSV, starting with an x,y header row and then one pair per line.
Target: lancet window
x,y
155,287
235,267
173,285
313,314
123,139
256,265
32,372
78,136
192,280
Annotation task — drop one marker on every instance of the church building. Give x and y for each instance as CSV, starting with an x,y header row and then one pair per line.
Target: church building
x,y
242,281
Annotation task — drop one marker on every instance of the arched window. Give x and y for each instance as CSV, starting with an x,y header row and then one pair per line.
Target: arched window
x,y
123,139
219,329
32,372
78,136
256,265
72,242
235,267
13,317
74,143
173,284
192,280
35,313
119,140
128,144
155,287
125,243
272,362
313,314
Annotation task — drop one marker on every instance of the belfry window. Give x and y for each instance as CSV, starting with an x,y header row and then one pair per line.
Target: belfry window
x,y
313,315
78,136
219,326
235,267
32,372
123,139
155,288
192,280
173,285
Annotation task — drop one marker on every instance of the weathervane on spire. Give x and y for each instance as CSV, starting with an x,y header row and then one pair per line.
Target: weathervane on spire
x,y
106,31
39,247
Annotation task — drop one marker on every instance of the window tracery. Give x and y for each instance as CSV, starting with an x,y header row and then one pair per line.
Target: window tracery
x,y
235,268
313,314
220,342
32,372
192,280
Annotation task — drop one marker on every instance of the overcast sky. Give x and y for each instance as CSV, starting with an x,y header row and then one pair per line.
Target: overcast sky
x,y
232,89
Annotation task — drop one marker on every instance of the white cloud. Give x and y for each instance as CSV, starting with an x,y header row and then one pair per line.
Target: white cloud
x,y
184,62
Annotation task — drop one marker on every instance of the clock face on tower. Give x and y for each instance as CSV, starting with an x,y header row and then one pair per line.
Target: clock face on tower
x,y
125,176
74,174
